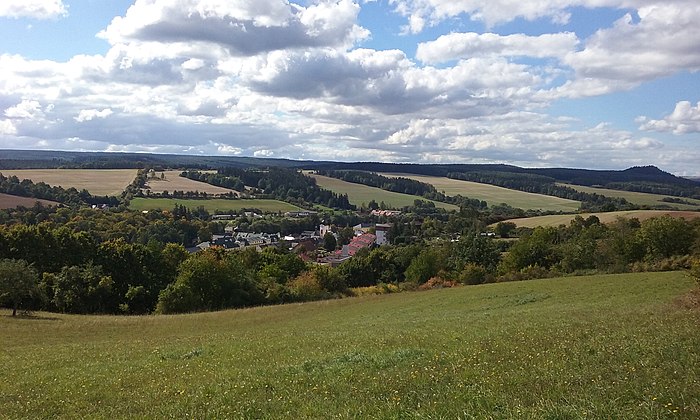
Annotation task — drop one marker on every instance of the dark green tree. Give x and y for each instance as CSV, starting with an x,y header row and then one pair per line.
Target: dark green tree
x,y
18,281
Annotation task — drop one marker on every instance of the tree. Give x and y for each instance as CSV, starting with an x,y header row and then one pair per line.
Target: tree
x,y
504,229
18,280
329,241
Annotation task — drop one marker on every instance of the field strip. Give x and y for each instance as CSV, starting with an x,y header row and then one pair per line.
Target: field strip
x,y
564,219
359,194
639,198
494,195
212,205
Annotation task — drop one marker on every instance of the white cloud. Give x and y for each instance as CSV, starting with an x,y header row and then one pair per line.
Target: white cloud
x,y
90,114
27,109
467,45
7,127
35,9
244,28
263,153
684,119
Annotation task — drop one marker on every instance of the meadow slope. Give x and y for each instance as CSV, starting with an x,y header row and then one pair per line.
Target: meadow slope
x,y
494,195
359,194
615,346
608,217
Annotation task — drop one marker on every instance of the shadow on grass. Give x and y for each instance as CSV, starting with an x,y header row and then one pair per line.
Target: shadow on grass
x,y
30,317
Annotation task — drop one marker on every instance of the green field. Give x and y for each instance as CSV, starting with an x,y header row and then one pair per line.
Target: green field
x,y
613,347
211,205
564,219
494,195
642,199
359,194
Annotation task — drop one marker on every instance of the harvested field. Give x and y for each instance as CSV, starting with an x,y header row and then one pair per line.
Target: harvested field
x,y
564,219
96,181
8,201
174,182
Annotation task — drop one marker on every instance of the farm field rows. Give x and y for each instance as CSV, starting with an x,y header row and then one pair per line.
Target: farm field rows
x,y
174,182
359,194
613,346
211,205
642,199
564,219
8,201
96,181
494,195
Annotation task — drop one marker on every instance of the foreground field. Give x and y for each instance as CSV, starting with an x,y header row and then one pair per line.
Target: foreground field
x,y
564,219
96,181
359,194
211,205
587,347
495,195
8,201
642,199
172,181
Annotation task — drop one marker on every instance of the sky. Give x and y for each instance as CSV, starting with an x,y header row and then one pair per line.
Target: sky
x,y
597,84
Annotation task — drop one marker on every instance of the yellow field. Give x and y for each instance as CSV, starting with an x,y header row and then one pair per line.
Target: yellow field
x,y
564,219
96,181
642,199
174,182
494,195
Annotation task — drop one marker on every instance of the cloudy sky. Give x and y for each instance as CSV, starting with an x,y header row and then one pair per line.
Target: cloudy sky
x,y
603,84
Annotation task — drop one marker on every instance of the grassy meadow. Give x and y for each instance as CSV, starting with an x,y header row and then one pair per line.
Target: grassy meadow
x,y
359,194
493,194
211,205
96,181
564,219
642,199
613,346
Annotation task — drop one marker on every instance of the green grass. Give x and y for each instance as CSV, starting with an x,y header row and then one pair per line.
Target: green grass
x,y
212,205
587,347
494,195
564,219
642,199
359,194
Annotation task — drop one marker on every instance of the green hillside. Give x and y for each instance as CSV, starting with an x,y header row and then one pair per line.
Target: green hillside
x,y
639,198
617,346
359,194
212,205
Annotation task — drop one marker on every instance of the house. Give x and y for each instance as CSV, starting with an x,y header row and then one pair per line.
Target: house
x,y
381,230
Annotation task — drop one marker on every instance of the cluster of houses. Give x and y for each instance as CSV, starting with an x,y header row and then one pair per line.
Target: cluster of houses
x,y
303,243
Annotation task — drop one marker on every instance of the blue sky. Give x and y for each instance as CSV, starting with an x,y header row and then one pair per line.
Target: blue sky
x,y
553,83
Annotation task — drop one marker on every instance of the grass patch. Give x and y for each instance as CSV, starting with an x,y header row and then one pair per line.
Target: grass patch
x,y
359,194
96,181
565,219
494,195
577,347
212,205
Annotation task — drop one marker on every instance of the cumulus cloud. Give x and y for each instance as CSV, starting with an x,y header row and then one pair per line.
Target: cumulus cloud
x,y
684,119
466,45
35,9
90,114
245,28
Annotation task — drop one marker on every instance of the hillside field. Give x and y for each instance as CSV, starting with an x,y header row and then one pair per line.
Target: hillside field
x,y
642,199
612,346
8,201
359,194
564,219
211,205
174,182
96,181
494,195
